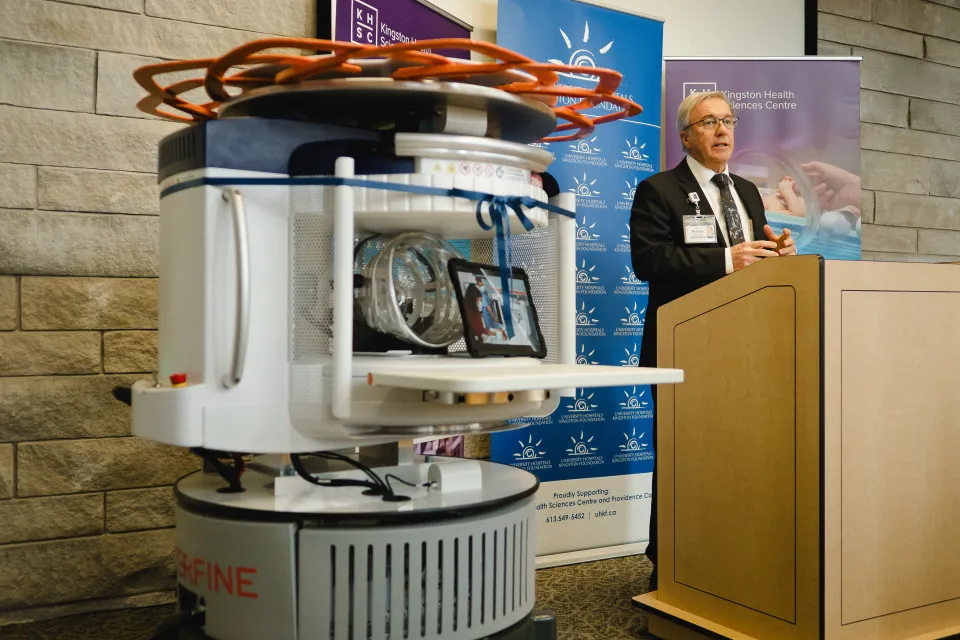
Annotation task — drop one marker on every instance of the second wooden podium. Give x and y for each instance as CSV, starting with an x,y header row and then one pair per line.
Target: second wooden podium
x,y
809,465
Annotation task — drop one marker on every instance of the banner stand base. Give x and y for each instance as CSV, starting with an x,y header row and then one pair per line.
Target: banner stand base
x,y
590,555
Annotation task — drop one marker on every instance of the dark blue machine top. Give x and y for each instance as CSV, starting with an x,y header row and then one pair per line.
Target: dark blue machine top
x,y
277,146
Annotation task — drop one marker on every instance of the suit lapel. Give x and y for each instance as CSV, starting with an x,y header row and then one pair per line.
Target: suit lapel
x,y
689,184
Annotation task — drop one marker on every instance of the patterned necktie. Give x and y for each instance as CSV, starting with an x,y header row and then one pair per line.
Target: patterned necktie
x,y
730,213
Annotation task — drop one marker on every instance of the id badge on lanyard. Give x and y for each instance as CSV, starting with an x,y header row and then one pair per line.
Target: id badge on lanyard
x,y
698,228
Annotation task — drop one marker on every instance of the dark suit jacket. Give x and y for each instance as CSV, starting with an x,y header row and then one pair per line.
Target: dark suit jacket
x,y
660,256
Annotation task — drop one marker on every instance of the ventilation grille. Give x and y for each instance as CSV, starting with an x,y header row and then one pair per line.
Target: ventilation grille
x,y
449,586
181,147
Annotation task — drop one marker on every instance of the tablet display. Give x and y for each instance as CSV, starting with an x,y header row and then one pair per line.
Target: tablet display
x,y
481,297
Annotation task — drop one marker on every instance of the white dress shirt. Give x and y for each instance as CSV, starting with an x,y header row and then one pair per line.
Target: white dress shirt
x,y
712,192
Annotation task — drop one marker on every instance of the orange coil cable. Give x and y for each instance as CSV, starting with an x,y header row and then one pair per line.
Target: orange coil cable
x,y
289,69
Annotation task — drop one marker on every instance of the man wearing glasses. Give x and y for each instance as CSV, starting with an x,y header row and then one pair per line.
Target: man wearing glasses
x,y
694,224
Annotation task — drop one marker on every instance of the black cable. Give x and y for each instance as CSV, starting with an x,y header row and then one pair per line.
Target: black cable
x,y
409,484
334,482
229,473
330,455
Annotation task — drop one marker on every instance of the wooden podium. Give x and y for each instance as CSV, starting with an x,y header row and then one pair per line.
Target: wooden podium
x,y
809,464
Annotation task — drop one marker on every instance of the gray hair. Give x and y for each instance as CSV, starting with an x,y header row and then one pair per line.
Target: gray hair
x,y
690,103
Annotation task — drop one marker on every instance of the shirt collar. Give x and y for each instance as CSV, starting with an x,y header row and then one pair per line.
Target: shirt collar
x,y
704,174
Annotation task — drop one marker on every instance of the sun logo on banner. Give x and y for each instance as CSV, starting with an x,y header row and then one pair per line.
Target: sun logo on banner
x,y
585,317
633,441
529,451
634,150
585,273
585,232
632,359
581,403
631,191
584,187
633,400
585,147
582,56
631,277
586,358
633,318
626,237
582,446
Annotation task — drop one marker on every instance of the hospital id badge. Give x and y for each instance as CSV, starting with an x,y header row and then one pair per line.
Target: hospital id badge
x,y
699,230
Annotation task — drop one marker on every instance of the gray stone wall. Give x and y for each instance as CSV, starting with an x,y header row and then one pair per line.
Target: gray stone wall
x,y
910,115
85,509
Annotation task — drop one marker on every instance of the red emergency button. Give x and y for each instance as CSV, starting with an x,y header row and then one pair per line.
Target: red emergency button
x,y
178,379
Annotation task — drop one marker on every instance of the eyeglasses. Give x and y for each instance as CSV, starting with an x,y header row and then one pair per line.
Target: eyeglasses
x,y
713,123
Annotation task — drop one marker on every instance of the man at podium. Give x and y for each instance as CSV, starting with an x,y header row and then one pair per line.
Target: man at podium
x,y
694,224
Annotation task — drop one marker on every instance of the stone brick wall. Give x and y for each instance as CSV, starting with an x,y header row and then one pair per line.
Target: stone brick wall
x,y
85,509
910,114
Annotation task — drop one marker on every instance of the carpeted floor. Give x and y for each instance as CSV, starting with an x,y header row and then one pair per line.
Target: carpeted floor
x,y
591,602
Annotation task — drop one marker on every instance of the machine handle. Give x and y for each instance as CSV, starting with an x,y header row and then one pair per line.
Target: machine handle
x,y
242,249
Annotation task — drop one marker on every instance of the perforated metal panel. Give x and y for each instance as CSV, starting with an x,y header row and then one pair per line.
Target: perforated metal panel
x,y
311,269
536,253
466,578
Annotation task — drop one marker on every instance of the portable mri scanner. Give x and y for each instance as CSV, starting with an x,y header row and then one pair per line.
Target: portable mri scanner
x,y
308,325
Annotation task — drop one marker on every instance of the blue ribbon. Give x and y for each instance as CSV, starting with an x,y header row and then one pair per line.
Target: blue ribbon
x,y
500,219
498,208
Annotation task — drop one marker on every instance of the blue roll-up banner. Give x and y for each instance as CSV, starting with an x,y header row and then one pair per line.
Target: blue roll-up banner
x,y
594,455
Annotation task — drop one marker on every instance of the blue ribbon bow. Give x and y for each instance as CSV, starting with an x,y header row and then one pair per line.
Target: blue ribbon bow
x,y
500,219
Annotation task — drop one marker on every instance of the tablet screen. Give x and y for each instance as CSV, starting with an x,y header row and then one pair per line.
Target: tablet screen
x,y
481,298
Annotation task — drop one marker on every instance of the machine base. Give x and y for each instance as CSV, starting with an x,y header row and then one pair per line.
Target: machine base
x,y
539,625
287,560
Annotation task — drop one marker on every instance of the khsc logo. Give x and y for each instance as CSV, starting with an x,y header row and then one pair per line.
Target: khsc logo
x,y
633,442
581,403
529,451
633,318
581,56
631,191
584,187
632,359
585,232
366,23
634,400
585,273
586,358
626,237
698,87
582,446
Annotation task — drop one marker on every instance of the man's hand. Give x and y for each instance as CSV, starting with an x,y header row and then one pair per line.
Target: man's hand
x,y
785,244
746,253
